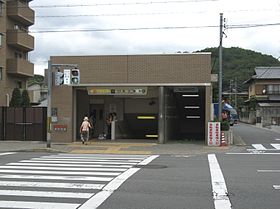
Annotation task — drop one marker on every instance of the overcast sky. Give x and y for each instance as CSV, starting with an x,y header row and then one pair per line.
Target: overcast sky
x,y
105,27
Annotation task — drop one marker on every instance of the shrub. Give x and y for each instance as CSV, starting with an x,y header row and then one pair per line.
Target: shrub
x,y
224,125
25,101
16,98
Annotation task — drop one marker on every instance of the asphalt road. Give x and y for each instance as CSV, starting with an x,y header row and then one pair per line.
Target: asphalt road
x,y
254,135
247,178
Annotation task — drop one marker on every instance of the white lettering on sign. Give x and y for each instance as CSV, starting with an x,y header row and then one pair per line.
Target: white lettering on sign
x,y
67,76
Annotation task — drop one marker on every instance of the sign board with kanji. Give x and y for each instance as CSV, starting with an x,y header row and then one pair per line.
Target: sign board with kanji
x,y
67,76
214,134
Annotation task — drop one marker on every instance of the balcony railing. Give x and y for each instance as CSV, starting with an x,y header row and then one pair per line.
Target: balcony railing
x,y
20,67
20,12
20,39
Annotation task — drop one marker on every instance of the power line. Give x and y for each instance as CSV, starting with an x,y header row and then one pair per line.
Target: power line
x,y
121,3
239,26
117,4
142,14
251,25
121,29
157,28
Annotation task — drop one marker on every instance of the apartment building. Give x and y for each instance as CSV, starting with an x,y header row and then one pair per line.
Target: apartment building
x,y
15,43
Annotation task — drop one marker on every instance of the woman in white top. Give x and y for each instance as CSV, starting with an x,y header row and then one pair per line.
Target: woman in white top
x,y
84,130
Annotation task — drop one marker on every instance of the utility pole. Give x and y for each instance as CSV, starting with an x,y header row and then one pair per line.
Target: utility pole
x,y
49,108
235,98
220,66
231,90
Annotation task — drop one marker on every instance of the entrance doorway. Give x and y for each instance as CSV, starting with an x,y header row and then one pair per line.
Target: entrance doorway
x,y
97,119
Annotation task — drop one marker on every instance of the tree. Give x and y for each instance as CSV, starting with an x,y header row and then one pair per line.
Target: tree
x,y
25,102
16,98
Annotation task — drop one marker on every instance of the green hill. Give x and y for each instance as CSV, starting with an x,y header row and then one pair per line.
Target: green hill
x,y
238,64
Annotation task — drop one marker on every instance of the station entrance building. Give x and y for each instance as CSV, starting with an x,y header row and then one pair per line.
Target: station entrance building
x,y
161,97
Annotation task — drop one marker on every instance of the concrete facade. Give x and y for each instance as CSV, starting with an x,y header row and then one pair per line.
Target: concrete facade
x,y
15,19
166,71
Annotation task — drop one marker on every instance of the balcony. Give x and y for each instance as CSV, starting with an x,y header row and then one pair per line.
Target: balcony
x,y
20,40
20,12
20,67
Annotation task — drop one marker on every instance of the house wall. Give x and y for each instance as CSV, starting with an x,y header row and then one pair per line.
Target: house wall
x,y
258,85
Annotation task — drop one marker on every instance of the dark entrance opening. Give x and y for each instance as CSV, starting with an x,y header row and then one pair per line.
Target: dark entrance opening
x,y
185,113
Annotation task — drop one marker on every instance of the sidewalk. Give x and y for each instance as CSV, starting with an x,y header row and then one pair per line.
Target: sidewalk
x,y
115,147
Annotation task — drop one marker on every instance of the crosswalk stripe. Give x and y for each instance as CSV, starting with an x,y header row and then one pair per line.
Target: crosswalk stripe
x,y
259,146
73,165
75,161
276,146
65,169
51,185
45,194
64,178
62,172
37,205
78,172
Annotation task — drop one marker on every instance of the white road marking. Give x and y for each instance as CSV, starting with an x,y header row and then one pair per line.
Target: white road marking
x,y
62,172
51,185
39,160
64,178
37,205
220,193
7,153
257,153
96,200
101,196
259,146
148,160
73,165
45,194
65,169
276,146
268,171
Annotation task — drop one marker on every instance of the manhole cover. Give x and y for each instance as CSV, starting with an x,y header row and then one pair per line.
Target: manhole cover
x,y
152,166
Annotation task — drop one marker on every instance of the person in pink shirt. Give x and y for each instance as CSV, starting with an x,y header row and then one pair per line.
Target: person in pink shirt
x,y
84,130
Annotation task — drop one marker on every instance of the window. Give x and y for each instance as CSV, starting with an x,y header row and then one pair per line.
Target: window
x,y
18,55
273,89
1,73
1,39
1,7
19,84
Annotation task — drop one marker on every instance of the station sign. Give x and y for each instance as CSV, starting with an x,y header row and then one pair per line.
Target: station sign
x,y
136,91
